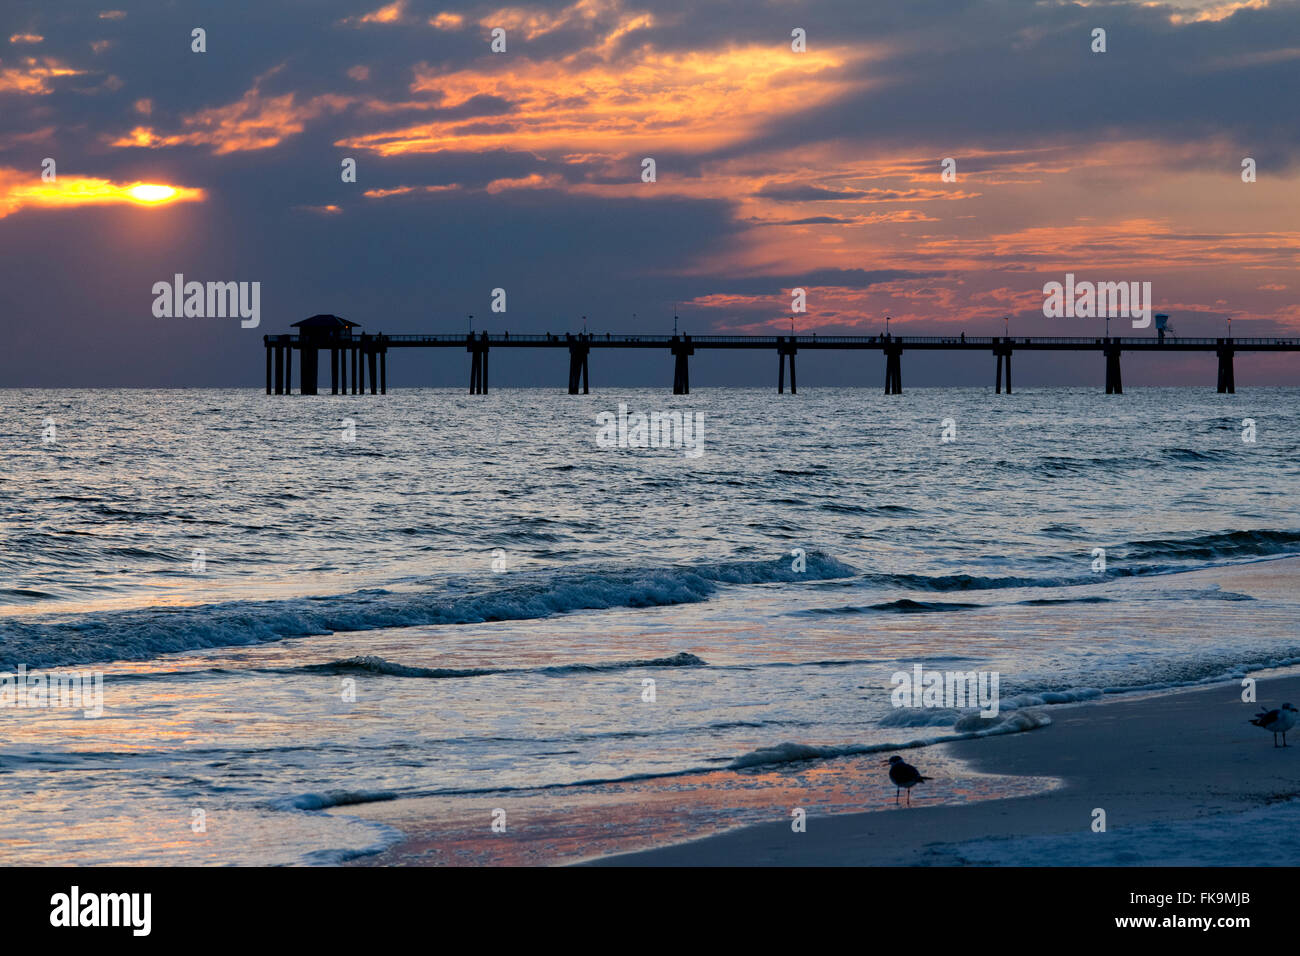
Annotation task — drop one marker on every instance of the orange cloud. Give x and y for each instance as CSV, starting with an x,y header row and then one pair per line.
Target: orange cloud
x,y
691,100
20,190
253,122
408,190
26,38
392,13
447,21
533,181
534,22
1216,12
33,77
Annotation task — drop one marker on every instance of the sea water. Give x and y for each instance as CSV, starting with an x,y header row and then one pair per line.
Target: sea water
x,y
302,603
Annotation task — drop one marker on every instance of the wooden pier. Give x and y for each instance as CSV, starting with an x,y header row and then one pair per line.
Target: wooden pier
x,y
367,354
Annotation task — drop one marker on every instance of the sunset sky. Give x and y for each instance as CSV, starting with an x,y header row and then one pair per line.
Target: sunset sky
x,y
522,170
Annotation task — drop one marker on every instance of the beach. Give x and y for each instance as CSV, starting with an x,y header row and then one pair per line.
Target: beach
x,y
1182,776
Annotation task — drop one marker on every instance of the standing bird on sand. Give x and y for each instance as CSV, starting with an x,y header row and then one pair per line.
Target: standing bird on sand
x,y
1277,721
905,777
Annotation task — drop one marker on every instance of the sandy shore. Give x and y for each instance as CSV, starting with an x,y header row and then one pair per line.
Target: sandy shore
x,y
1175,757
1182,777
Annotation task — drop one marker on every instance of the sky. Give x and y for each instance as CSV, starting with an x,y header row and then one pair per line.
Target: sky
x,y
522,170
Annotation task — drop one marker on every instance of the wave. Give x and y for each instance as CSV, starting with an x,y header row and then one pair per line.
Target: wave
x,y
381,667
332,798
909,606
29,593
145,633
901,606
967,728
1208,547
1205,550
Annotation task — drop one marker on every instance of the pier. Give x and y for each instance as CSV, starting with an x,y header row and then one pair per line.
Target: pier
x,y
367,354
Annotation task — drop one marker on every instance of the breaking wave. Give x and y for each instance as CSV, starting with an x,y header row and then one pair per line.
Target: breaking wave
x,y
139,634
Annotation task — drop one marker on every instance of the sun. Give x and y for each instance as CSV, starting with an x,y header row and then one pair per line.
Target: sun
x,y
150,193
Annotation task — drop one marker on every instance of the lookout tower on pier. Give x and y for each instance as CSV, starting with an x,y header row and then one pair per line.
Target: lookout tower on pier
x,y
326,332
345,344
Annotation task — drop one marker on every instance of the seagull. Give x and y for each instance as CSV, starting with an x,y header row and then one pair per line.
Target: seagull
x,y
1277,721
905,777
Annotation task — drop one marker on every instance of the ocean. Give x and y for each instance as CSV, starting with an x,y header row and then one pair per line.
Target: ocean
x,y
302,605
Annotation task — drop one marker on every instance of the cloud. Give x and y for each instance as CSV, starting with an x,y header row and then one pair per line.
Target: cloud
x,y
390,14
682,101
34,76
447,21
256,121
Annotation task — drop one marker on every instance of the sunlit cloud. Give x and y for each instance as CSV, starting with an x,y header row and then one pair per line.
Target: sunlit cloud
x,y
533,181
1214,12
21,190
679,100
253,122
534,22
26,38
447,21
389,14
409,190
34,76
112,15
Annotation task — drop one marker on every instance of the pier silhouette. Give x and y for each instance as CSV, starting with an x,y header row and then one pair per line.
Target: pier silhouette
x,y
367,353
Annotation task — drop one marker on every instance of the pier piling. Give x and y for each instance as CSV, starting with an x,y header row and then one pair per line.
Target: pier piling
x,y
1114,380
310,371
893,369
681,348
785,348
1003,353
478,369
579,350
1227,381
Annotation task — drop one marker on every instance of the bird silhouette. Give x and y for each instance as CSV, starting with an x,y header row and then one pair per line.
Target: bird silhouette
x,y
904,776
